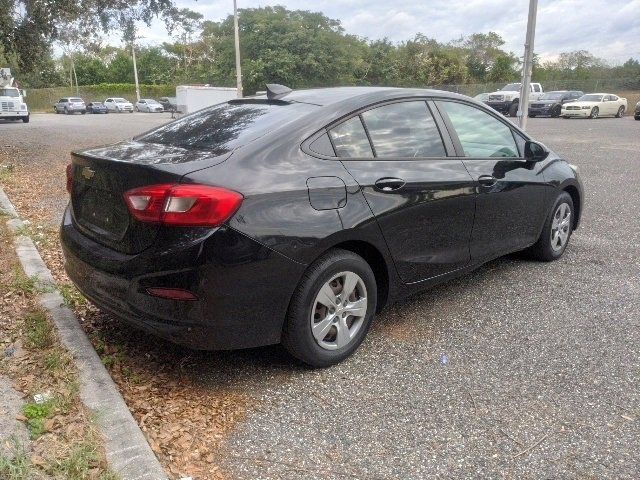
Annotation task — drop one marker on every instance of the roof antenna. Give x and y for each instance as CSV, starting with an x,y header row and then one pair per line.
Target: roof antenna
x,y
276,91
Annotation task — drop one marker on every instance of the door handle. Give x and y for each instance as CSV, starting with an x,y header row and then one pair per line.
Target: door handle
x,y
487,180
389,184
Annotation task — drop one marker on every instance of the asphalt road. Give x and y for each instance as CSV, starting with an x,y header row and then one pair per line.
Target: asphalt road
x,y
518,370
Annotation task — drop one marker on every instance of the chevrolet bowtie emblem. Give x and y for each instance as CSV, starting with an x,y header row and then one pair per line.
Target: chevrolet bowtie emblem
x,y
88,173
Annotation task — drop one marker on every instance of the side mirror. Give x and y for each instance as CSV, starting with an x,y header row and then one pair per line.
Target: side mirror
x,y
535,152
23,92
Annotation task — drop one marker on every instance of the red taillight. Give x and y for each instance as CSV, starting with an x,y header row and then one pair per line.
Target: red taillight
x,y
172,293
183,205
70,177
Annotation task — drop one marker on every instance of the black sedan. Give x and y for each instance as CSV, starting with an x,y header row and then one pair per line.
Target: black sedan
x,y
96,107
293,217
551,102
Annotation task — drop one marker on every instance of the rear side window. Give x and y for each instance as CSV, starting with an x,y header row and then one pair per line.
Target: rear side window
x,y
404,129
481,134
227,126
350,139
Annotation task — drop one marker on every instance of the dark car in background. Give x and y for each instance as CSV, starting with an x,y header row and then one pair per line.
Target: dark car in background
x,y
170,104
96,107
294,216
551,103
636,114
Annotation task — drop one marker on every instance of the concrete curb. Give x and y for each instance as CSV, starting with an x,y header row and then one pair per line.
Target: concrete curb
x,y
128,453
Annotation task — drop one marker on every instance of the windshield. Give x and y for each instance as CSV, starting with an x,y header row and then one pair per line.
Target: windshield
x,y
552,96
98,104
9,92
590,98
224,127
148,100
120,100
512,87
75,100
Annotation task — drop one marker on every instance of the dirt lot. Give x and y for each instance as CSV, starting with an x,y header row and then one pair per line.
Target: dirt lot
x,y
543,371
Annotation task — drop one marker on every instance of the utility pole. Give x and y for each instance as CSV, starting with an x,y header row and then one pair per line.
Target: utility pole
x,y
237,41
135,70
527,66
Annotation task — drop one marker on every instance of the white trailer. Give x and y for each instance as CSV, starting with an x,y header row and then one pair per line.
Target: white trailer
x,y
191,98
12,104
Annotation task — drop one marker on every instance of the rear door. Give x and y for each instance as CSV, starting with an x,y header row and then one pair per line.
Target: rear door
x,y
510,200
422,198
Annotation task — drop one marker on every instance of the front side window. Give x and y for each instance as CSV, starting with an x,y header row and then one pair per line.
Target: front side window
x,y
404,129
481,134
350,139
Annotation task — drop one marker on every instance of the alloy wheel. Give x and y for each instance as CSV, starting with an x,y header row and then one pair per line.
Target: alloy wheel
x,y
560,227
594,112
339,310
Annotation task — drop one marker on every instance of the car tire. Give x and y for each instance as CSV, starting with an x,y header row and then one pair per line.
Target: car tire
x,y
55,110
25,119
556,232
513,109
336,338
532,115
595,111
66,111
137,109
620,113
555,113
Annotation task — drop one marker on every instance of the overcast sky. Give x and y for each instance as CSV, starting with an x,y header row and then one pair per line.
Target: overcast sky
x,y
607,28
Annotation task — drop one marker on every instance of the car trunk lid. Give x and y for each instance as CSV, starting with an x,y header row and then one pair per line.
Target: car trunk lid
x,y
102,175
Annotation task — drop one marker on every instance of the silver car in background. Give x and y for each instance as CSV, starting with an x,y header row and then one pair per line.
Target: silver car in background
x,y
69,105
148,105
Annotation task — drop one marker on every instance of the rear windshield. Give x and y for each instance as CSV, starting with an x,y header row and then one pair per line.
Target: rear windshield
x,y
224,127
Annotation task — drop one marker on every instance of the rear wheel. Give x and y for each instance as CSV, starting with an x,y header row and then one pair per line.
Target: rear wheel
x,y
620,113
513,109
595,111
556,231
331,309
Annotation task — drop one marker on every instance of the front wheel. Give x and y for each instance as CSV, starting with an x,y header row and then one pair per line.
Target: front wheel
x,y
595,111
620,113
25,119
331,310
556,231
513,109
66,111
555,113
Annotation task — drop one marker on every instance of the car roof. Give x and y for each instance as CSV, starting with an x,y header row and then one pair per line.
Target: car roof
x,y
328,96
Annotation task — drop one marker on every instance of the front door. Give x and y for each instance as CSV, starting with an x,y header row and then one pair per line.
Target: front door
x,y
510,200
422,199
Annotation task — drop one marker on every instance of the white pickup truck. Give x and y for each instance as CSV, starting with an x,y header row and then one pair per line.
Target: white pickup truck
x,y
12,104
507,99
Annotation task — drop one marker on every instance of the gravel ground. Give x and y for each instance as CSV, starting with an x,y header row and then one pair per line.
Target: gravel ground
x,y
520,369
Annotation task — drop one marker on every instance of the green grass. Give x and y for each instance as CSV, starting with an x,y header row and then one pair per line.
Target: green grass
x,y
82,459
16,464
24,284
36,415
57,361
6,172
71,296
38,331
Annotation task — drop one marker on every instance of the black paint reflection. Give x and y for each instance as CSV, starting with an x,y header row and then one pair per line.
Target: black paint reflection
x,y
221,128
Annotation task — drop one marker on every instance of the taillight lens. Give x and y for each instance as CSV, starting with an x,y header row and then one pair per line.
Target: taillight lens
x,y
183,205
70,177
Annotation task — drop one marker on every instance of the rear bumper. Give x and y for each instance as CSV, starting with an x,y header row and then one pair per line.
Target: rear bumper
x,y
243,288
582,113
502,107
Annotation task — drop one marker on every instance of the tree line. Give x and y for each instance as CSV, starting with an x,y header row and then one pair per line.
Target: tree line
x,y
293,47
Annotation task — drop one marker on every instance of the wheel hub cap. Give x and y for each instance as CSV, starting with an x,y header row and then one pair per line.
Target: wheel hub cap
x,y
339,310
560,227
